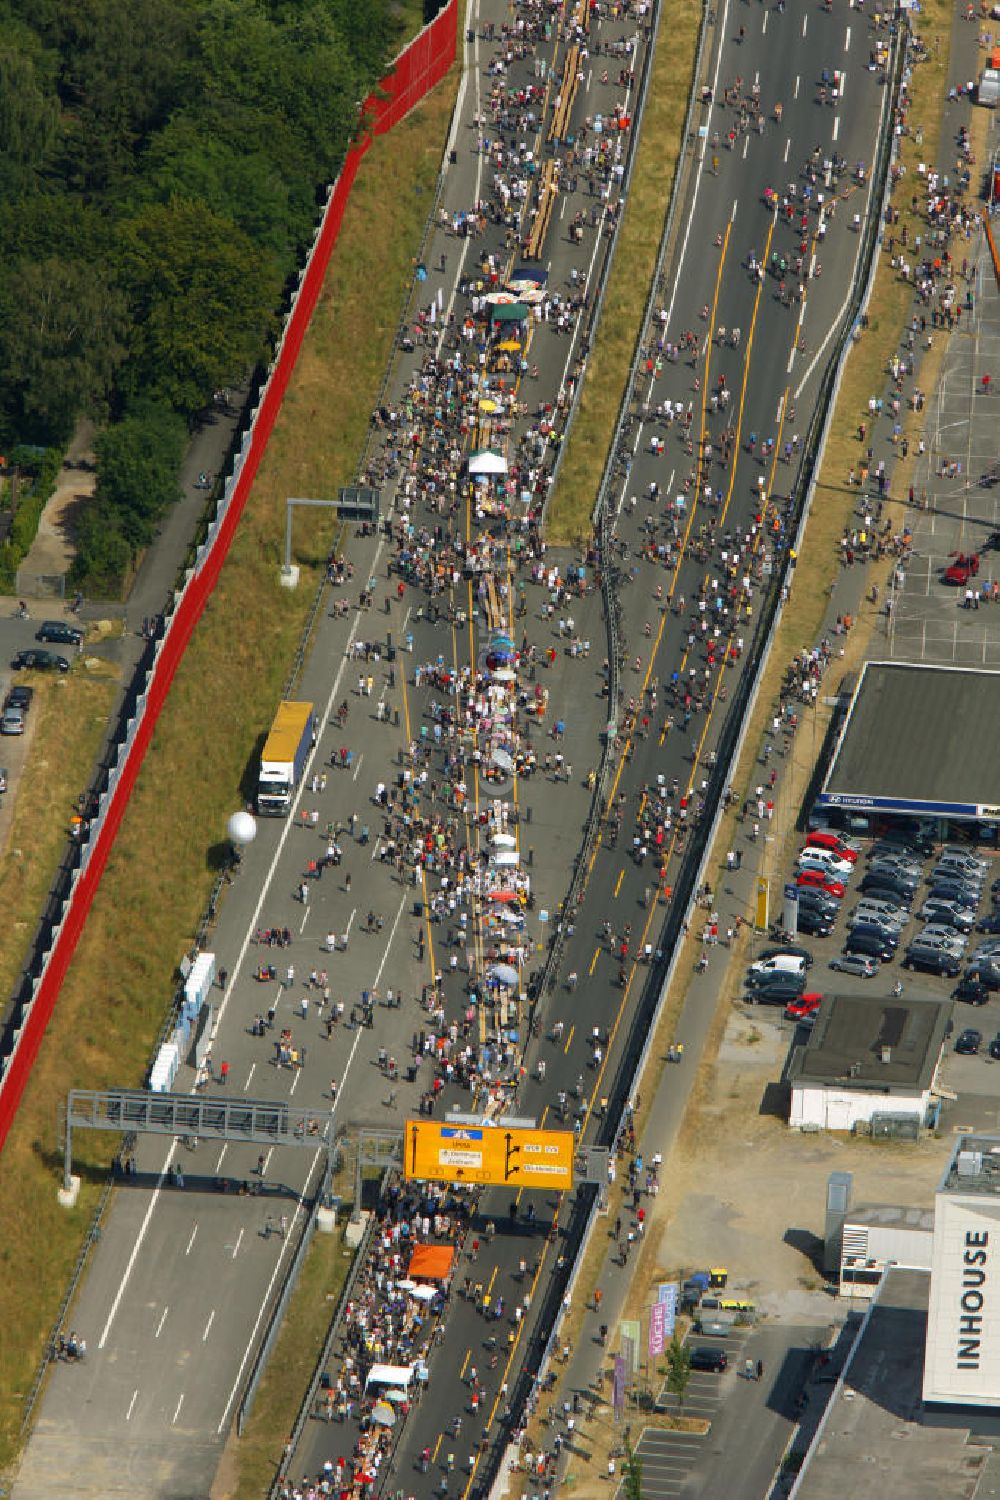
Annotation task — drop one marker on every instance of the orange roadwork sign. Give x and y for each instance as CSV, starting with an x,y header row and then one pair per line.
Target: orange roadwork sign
x,y
498,1155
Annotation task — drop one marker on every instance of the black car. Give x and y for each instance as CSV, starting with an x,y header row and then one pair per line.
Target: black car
x,y
788,951
811,899
892,875
985,973
969,1041
911,844
954,890
58,630
705,1358
990,923
778,990
41,661
876,930
870,946
972,990
815,923
20,696
887,888
994,1048
932,960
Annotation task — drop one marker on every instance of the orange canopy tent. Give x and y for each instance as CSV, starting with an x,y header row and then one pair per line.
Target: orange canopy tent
x,y
431,1262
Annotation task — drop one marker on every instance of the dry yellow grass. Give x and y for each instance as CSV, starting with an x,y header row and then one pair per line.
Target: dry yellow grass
x,y
159,875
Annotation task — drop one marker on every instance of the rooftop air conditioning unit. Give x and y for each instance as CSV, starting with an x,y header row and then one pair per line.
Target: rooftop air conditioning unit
x,y
969,1163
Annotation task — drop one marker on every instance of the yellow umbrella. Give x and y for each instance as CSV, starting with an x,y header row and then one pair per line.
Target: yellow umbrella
x,y
510,344
487,405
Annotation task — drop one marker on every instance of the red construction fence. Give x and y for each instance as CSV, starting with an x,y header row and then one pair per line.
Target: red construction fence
x,y
417,70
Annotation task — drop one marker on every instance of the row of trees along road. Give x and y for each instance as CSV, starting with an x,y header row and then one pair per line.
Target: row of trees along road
x,y
161,173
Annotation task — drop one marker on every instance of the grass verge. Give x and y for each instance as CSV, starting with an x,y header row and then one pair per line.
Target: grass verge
x,y
631,272
250,1463
161,870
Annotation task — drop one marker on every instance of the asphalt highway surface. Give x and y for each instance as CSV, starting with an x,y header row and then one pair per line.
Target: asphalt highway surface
x,y
174,1304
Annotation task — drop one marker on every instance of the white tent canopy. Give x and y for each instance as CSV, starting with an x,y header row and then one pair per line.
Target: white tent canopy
x,y
395,1375
487,462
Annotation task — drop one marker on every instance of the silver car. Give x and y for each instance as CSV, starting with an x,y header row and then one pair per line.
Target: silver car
x,y
12,721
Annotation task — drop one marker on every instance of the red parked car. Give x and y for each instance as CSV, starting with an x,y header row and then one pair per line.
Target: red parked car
x,y
820,881
965,566
806,1005
833,843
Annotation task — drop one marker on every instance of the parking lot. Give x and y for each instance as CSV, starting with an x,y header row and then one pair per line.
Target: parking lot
x,y
954,510
971,1076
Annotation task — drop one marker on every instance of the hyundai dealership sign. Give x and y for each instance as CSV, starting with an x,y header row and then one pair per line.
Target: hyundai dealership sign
x,y
962,1358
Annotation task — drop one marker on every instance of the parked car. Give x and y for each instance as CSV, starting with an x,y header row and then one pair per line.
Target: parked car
x,y
948,914
954,890
901,875
870,946
855,963
20,696
58,630
874,929
818,880
818,899
788,950
962,852
945,937
985,973
891,911
969,1041
886,889
778,990
815,859
40,661
805,1005
972,990
12,721
932,960
989,948
815,923
907,843
834,844
958,869
990,923
781,963
994,1048
828,858
881,913
715,1361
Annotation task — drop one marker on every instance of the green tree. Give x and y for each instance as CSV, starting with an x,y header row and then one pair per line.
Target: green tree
x,y
62,332
137,466
201,296
29,108
678,1369
632,1473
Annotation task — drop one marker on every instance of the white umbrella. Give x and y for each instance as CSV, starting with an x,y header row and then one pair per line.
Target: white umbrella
x,y
383,1414
504,840
487,462
505,859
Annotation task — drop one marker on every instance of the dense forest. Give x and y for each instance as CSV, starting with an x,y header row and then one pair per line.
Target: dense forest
x,y
161,171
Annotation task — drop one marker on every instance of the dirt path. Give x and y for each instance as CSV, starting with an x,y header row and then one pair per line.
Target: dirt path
x,y
51,553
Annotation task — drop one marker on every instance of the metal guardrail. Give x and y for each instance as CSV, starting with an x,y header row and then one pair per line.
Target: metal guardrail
x,y
277,1315
357,1266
